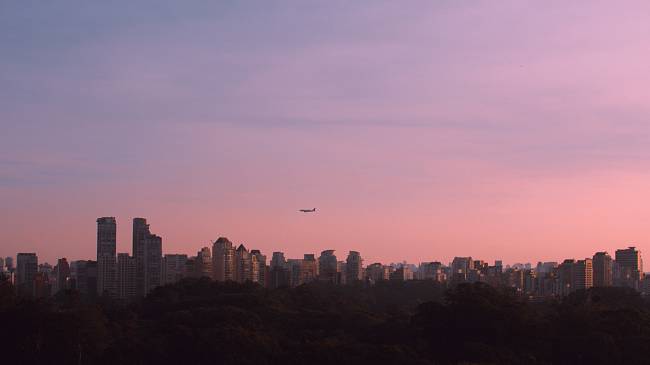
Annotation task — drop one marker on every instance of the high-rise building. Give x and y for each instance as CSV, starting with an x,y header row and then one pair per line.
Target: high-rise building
x,y
583,274
575,275
328,267
460,268
242,264
402,273
83,277
223,260
62,277
27,269
309,268
190,267
140,233
430,271
9,263
204,263
629,268
152,262
353,267
41,287
126,277
106,250
258,271
377,272
2,264
602,266
294,266
565,276
174,267
279,274
278,260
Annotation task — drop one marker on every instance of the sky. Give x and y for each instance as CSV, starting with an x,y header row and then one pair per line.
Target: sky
x,y
420,130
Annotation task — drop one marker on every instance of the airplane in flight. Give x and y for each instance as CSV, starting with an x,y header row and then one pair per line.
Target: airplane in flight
x,y
308,210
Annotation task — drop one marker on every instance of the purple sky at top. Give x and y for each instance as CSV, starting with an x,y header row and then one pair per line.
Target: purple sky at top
x,y
421,130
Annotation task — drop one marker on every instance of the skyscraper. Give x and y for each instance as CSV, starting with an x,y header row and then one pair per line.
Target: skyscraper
x,y
62,276
602,264
583,274
353,267
152,262
126,277
83,277
328,267
377,272
258,271
27,268
309,269
242,264
223,256
9,263
174,268
279,275
106,265
204,263
629,267
140,234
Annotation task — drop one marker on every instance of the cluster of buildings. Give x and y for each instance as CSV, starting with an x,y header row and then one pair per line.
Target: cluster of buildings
x,y
126,277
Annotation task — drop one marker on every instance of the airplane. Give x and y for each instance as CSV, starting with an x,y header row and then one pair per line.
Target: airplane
x,y
308,210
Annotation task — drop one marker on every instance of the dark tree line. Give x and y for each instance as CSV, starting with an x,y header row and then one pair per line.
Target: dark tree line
x,y
416,322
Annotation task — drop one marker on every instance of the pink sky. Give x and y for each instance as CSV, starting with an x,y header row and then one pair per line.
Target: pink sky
x,y
510,130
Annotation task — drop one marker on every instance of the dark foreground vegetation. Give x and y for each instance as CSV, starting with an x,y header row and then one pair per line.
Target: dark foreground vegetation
x,y
203,322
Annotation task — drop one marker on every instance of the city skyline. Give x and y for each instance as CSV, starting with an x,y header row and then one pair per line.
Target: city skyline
x,y
140,232
513,131
129,248
125,278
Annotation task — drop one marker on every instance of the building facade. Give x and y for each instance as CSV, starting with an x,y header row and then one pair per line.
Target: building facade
x,y
106,259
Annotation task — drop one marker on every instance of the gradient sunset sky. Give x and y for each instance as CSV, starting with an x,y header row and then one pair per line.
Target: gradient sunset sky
x,y
421,130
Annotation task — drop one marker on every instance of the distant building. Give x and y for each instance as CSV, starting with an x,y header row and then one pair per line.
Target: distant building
x,y
328,267
431,271
83,278
583,274
152,262
190,267
602,267
402,273
309,269
174,268
460,268
126,277
26,271
575,275
62,276
9,263
377,272
204,263
353,267
629,268
223,256
279,274
295,267
242,264
140,233
258,269
106,250
41,286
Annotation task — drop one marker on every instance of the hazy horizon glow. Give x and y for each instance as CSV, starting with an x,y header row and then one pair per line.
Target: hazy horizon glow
x,y
514,131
